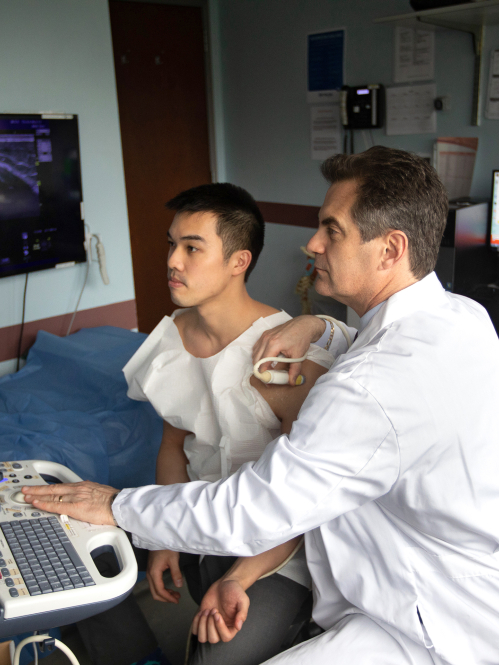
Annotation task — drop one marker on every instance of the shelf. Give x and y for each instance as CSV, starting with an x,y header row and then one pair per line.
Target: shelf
x,y
469,17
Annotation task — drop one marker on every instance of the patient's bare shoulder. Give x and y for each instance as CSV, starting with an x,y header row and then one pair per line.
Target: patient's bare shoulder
x,y
285,401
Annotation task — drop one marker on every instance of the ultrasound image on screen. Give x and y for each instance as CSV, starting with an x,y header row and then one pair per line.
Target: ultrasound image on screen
x,y
41,223
19,192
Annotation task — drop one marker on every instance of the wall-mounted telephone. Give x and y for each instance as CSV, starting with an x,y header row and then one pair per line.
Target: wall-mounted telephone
x,y
363,106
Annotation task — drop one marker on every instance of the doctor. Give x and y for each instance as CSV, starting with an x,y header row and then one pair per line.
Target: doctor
x,y
392,465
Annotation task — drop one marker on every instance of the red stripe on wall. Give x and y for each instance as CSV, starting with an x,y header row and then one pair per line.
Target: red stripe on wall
x,y
289,213
119,314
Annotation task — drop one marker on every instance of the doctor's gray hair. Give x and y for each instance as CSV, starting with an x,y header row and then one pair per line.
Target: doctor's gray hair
x,y
240,223
396,190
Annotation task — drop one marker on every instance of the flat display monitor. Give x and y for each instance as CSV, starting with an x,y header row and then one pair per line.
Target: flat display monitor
x,y
494,226
41,220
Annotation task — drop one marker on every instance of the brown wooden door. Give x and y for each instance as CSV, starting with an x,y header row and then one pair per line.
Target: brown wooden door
x,y
160,76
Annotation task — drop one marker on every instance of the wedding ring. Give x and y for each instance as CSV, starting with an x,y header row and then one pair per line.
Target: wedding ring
x,y
60,499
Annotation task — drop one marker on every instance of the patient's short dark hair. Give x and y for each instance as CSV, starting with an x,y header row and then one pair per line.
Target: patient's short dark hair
x,y
395,190
240,223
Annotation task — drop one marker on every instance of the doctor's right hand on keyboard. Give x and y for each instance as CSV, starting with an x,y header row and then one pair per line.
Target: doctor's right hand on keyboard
x,y
85,501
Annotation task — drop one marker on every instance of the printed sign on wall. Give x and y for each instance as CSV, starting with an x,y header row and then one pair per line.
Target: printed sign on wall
x,y
326,58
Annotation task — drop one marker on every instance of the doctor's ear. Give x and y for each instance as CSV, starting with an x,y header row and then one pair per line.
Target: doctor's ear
x,y
240,261
395,249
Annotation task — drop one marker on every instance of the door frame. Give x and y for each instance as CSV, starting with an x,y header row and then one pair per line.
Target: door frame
x,y
212,72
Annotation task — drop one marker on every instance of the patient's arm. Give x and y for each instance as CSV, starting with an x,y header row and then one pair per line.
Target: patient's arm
x,y
247,570
171,467
224,607
285,401
171,463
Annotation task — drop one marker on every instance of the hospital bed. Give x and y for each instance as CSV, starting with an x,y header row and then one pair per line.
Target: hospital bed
x,y
68,405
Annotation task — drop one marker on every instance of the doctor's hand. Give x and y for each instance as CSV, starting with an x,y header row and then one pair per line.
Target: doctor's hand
x,y
292,339
222,612
158,562
85,501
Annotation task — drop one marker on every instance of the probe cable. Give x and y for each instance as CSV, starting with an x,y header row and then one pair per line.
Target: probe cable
x,y
41,638
280,376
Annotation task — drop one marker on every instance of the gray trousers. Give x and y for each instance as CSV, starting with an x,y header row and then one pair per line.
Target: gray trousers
x,y
121,635
275,603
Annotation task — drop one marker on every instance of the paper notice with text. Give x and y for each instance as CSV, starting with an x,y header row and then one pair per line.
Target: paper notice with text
x,y
492,108
325,130
414,55
410,110
454,162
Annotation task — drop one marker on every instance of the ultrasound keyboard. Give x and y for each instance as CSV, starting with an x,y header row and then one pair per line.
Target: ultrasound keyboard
x,y
48,576
44,556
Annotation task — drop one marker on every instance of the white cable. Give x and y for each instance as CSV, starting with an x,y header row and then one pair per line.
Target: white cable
x,y
35,650
81,292
42,638
101,257
340,325
297,547
279,376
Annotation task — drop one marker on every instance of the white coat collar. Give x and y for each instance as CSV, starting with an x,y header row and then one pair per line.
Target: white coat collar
x,y
364,320
423,295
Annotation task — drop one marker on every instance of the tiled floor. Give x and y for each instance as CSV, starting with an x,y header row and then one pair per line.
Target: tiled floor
x,y
170,623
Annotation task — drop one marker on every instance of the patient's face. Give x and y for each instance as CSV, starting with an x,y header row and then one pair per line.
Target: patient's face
x,y
197,272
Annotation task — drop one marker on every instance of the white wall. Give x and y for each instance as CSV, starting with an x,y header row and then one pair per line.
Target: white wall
x,y
56,55
263,45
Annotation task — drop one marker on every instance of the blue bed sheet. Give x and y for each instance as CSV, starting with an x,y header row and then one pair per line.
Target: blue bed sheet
x,y
68,404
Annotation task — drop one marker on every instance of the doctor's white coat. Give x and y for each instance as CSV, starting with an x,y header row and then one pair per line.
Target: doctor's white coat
x,y
392,469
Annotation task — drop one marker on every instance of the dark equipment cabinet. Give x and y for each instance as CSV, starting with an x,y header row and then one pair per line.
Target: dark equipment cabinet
x,y
466,263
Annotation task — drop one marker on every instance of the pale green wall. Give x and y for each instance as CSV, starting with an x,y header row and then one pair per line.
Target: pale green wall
x,y
264,83
267,141
56,55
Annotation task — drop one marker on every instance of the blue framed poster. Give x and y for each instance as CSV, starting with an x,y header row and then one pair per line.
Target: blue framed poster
x,y
325,67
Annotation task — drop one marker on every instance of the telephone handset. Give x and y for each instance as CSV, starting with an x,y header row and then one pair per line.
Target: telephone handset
x,y
280,376
362,106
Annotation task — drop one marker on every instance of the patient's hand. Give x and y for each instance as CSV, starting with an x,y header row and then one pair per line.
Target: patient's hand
x,y
158,562
222,612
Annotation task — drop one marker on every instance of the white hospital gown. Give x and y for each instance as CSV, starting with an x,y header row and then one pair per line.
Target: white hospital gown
x,y
230,423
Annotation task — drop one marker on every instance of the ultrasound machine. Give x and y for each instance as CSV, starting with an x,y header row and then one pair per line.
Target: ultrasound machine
x,y
48,576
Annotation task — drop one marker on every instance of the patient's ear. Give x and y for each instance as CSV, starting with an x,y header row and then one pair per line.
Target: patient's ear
x,y
240,261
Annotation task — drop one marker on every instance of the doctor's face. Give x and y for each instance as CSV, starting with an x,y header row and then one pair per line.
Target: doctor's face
x,y
197,271
346,266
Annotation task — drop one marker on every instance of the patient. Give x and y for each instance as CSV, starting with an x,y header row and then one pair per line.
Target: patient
x,y
195,368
